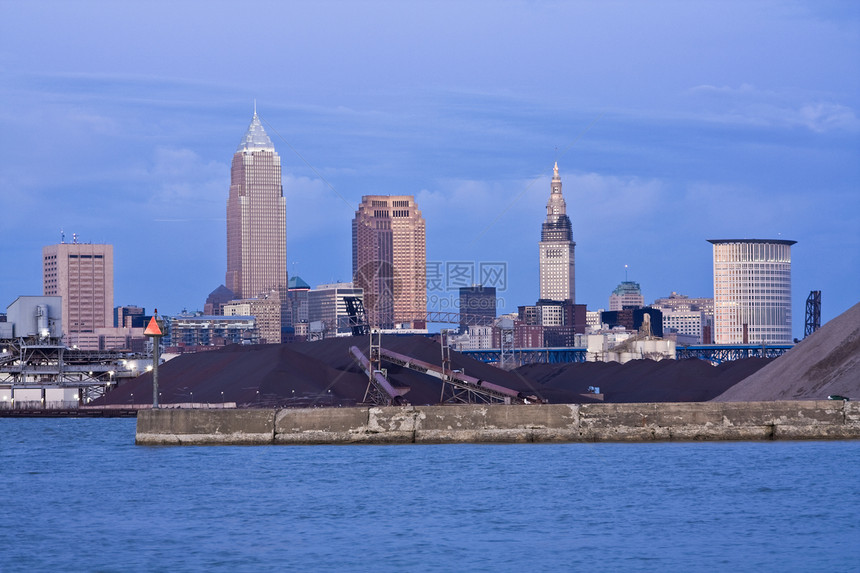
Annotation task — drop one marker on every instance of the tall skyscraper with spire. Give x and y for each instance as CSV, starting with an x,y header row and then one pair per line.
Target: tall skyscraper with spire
x,y
256,217
557,248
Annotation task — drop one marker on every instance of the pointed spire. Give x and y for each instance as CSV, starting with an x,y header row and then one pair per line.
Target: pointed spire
x,y
556,206
255,138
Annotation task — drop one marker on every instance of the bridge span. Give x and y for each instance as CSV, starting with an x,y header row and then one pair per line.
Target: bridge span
x,y
714,353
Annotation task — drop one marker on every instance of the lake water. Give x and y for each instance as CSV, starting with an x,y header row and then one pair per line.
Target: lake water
x,y
77,494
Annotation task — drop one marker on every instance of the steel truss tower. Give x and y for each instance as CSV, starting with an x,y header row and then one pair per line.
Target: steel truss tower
x,y
813,313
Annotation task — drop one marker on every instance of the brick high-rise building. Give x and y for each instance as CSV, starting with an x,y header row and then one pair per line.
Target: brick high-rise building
x,y
557,263
82,274
256,217
389,260
752,291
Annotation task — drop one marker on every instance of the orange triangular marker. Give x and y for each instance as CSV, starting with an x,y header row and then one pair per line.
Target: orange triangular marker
x,y
153,329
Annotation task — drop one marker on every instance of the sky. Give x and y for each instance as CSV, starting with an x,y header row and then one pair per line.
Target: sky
x,y
672,123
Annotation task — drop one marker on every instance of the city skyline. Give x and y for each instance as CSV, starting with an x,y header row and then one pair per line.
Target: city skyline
x,y
674,124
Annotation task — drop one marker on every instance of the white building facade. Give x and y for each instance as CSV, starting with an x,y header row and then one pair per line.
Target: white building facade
x,y
752,291
687,316
687,322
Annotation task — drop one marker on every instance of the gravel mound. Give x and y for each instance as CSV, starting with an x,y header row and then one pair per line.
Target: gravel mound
x,y
823,364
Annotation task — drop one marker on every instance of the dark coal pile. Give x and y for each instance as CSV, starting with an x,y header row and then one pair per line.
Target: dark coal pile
x,y
306,374
825,363
643,380
263,376
317,374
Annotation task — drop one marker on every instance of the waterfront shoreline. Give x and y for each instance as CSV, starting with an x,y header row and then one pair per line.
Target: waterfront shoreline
x,y
497,423
69,413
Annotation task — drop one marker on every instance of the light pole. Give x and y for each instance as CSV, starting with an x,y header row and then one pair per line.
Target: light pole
x,y
155,330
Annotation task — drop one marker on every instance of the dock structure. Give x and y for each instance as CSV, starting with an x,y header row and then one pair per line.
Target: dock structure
x,y
45,374
502,423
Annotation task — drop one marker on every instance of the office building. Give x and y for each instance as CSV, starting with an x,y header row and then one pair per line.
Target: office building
x,y
563,316
298,293
682,302
473,338
693,318
752,291
689,324
528,314
592,319
557,276
389,260
266,310
129,316
256,217
552,313
82,274
477,306
328,312
626,295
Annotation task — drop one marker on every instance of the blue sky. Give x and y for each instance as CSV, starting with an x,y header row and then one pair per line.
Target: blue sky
x,y
672,123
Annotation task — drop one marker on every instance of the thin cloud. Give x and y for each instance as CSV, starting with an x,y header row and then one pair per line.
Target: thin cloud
x,y
748,105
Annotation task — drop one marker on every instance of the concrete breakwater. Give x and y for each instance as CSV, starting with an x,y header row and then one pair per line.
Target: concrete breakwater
x,y
682,421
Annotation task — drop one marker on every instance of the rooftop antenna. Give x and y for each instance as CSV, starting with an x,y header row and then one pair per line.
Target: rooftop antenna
x,y
62,237
255,106
625,273
74,238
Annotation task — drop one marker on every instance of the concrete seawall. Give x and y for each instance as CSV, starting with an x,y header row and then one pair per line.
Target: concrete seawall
x,y
684,421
